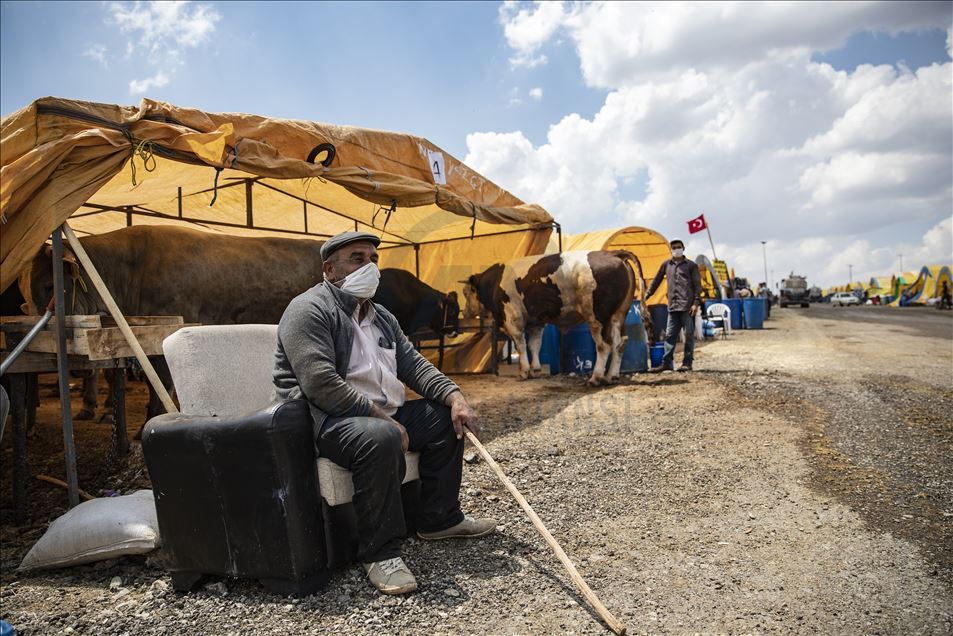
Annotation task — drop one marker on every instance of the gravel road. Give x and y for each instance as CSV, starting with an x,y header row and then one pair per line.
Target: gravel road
x,y
800,480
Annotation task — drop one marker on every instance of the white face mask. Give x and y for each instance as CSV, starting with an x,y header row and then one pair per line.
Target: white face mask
x,y
678,252
362,283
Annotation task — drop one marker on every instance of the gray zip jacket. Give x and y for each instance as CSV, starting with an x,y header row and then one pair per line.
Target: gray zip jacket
x,y
314,348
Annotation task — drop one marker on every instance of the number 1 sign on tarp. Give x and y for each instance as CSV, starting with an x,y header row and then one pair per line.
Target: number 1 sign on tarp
x,y
437,167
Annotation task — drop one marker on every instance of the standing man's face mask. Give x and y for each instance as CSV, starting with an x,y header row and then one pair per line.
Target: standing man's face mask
x,y
678,252
362,283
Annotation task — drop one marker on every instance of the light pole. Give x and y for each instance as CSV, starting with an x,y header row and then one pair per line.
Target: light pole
x,y
901,263
850,274
764,253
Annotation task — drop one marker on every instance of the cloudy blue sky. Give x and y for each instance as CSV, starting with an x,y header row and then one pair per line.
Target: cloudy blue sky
x,y
824,129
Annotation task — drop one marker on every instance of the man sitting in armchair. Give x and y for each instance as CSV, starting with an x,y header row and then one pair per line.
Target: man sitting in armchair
x,y
349,358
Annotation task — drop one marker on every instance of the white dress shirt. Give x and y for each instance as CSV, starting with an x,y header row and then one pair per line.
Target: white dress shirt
x,y
372,369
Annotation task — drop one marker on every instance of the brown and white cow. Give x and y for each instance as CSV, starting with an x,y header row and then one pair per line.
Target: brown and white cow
x,y
565,290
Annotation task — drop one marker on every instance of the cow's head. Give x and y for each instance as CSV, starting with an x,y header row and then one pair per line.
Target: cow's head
x,y
36,284
472,307
446,319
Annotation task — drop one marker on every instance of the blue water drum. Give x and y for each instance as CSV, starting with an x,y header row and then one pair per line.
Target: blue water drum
x,y
579,354
549,352
635,355
754,313
659,315
734,304
657,353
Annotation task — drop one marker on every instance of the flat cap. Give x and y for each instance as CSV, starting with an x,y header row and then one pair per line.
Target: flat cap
x,y
338,241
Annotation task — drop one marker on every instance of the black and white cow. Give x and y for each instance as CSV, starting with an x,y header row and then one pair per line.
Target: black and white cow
x,y
565,290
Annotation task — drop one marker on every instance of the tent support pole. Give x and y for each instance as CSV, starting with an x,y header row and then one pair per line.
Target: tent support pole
x,y
417,259
120,320
62,366
249,206
180,202
128,216
559,236
305,210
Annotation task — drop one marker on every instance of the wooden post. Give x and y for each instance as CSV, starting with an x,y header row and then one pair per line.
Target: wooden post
x,y
62,365
249,207
120,320
18,397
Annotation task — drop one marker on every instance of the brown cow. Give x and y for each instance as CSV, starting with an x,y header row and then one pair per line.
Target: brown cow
x,y
562,289
207,278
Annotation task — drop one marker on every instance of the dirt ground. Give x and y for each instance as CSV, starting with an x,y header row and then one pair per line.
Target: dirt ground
x,y
800,480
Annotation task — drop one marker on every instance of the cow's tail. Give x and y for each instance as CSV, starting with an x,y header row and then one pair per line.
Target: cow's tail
x,y
636,268
639,287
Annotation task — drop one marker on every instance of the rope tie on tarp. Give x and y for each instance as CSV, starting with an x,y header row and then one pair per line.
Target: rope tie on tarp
x,y
218,171
145,151
387,211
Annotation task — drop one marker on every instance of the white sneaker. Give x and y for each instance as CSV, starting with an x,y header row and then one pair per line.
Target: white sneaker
x,y
391,576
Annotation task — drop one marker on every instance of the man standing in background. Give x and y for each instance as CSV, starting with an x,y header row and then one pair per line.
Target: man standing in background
x,y
684,299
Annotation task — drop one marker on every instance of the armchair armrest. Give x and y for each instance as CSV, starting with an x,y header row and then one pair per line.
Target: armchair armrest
x,y
238,495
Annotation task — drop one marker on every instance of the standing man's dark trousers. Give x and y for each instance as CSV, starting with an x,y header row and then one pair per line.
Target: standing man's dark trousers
x,y
370,448
678,320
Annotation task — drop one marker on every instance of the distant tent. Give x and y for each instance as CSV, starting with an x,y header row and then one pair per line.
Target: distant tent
x,y
899,282
651,247
926,286
712,285
944,275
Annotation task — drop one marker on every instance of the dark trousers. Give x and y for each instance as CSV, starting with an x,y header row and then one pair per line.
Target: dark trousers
x,y
678,320
370,448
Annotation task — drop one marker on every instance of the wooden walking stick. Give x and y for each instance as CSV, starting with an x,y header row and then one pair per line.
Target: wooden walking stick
x,y
589,595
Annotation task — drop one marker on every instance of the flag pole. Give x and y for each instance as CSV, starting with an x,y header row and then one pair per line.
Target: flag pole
x,y
710,241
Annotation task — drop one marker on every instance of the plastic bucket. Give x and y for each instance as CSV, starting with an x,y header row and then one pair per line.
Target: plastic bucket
x,y
753,313
657,353
635,354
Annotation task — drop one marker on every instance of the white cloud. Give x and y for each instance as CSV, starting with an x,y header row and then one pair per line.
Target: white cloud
x,y
97,52
162,33
527,29
719,109
536,93
137,87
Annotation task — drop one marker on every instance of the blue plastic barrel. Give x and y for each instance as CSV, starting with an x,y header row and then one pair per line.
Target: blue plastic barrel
x,y
579,354
635,355
753,313
549,352
734,304
657,353
659,315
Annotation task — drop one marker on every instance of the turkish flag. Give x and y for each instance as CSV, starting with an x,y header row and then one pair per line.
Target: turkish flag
x,y
697,224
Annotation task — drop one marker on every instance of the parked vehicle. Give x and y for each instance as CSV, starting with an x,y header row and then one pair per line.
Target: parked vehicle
x,y
844,299
815,294
794,291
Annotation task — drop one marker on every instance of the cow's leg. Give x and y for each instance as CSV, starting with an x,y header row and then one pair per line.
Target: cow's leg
x,y
90,394
535,336
155,406
618,341
517,336
603,349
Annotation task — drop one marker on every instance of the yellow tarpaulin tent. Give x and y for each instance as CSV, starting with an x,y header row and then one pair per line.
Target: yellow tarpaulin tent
x,y
927,285
651,247
898,283
103,167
